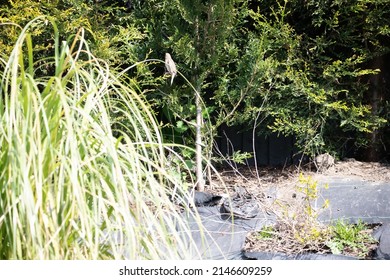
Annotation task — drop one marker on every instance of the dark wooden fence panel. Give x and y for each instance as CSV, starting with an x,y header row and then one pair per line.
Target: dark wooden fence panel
x,y
272,150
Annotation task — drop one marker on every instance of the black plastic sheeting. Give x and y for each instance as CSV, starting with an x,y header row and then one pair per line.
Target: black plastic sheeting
x,y
383,250
353,200
350,200
221,236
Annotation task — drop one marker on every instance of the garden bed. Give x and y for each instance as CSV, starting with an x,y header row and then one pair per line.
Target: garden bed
x,y
287,212
351,240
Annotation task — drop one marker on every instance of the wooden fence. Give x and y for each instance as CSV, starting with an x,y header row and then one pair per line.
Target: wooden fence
x,y
272,150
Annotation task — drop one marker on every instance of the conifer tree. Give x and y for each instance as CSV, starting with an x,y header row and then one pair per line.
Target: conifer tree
x,y
202,38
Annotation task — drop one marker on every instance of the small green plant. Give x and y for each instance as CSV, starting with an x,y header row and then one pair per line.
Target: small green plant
x,y
306,227
351,239
309,188
266,232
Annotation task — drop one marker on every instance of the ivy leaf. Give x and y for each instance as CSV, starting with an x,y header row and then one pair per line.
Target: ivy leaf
x,y
181,127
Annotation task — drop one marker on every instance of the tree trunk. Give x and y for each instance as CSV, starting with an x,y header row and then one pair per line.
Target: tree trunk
x,y
200,183
374,151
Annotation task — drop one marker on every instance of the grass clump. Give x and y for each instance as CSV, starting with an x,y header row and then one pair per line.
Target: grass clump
x,y
71,187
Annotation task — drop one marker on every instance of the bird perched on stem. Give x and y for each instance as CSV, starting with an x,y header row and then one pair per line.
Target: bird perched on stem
x,y
170,66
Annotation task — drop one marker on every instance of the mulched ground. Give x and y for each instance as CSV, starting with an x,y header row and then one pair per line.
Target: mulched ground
x,y
261,181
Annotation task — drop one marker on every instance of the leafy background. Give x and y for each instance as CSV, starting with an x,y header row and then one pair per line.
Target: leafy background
x,y
317,70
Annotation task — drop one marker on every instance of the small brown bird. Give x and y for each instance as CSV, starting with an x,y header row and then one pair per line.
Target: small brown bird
x,y
170,66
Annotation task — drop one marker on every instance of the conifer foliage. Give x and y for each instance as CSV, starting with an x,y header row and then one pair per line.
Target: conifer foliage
x,y
316,70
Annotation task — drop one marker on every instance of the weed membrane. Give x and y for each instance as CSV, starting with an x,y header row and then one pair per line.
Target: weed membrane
x,y
350,200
